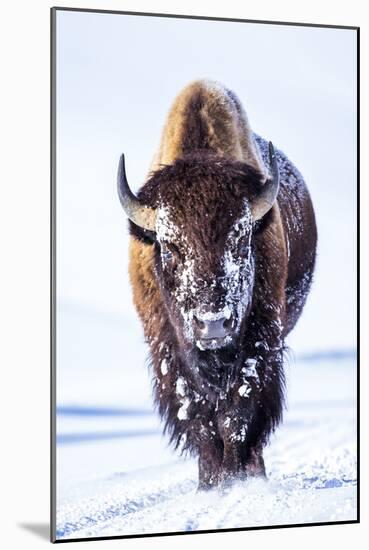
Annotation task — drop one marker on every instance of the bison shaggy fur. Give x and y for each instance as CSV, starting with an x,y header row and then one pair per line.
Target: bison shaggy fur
x,y
220,401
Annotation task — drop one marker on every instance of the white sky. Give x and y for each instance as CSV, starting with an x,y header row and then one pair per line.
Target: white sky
x,y
116,79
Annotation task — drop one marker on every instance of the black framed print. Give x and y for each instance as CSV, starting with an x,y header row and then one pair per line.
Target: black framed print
x,y
204,274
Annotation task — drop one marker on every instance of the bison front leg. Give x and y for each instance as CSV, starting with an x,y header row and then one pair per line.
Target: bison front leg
x,y
240,459
203,438
210,463
255,466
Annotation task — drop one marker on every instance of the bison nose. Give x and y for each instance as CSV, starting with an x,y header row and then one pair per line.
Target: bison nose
x,y
213,328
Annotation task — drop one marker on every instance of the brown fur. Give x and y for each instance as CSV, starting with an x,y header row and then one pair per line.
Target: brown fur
x,y
205,115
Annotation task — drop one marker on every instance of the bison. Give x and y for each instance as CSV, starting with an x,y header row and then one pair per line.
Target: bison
x,y
222,252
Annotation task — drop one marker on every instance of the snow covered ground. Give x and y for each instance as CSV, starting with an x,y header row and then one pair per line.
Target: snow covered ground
x,y
117,476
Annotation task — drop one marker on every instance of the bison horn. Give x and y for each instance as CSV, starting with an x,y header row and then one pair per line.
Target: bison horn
x,y
265,200
140,214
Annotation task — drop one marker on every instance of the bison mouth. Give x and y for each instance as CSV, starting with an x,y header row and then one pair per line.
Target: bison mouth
x,y
204,344
214,370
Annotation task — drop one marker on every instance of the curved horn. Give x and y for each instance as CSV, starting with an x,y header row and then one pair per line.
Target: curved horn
x,y
138,212
265,200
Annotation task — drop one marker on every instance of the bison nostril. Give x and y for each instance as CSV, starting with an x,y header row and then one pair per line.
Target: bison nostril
x,y
227,323
199,323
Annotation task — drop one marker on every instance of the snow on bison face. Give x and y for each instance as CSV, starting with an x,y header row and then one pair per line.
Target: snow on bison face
x,y
205,270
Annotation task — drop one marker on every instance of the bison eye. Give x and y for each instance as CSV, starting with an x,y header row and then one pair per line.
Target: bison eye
x,y
166,254
169,253
243,248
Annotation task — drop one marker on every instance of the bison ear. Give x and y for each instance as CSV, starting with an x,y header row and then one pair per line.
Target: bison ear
x,y
143,235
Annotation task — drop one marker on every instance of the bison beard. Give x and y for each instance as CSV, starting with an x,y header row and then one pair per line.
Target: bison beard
x,y
225,407
222,403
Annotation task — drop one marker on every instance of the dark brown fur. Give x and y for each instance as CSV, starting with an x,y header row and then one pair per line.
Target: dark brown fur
x,y
207,187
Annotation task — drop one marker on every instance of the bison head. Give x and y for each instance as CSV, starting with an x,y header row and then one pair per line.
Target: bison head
x,y
200,214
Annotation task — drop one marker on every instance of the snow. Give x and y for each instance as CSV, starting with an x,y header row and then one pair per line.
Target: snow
x,y
250,369
181,386
116,474
239,269
164,367
165,229
182,411
224,313
244,390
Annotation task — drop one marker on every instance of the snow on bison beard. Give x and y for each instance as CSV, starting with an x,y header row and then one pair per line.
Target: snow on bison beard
x,y
237,270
